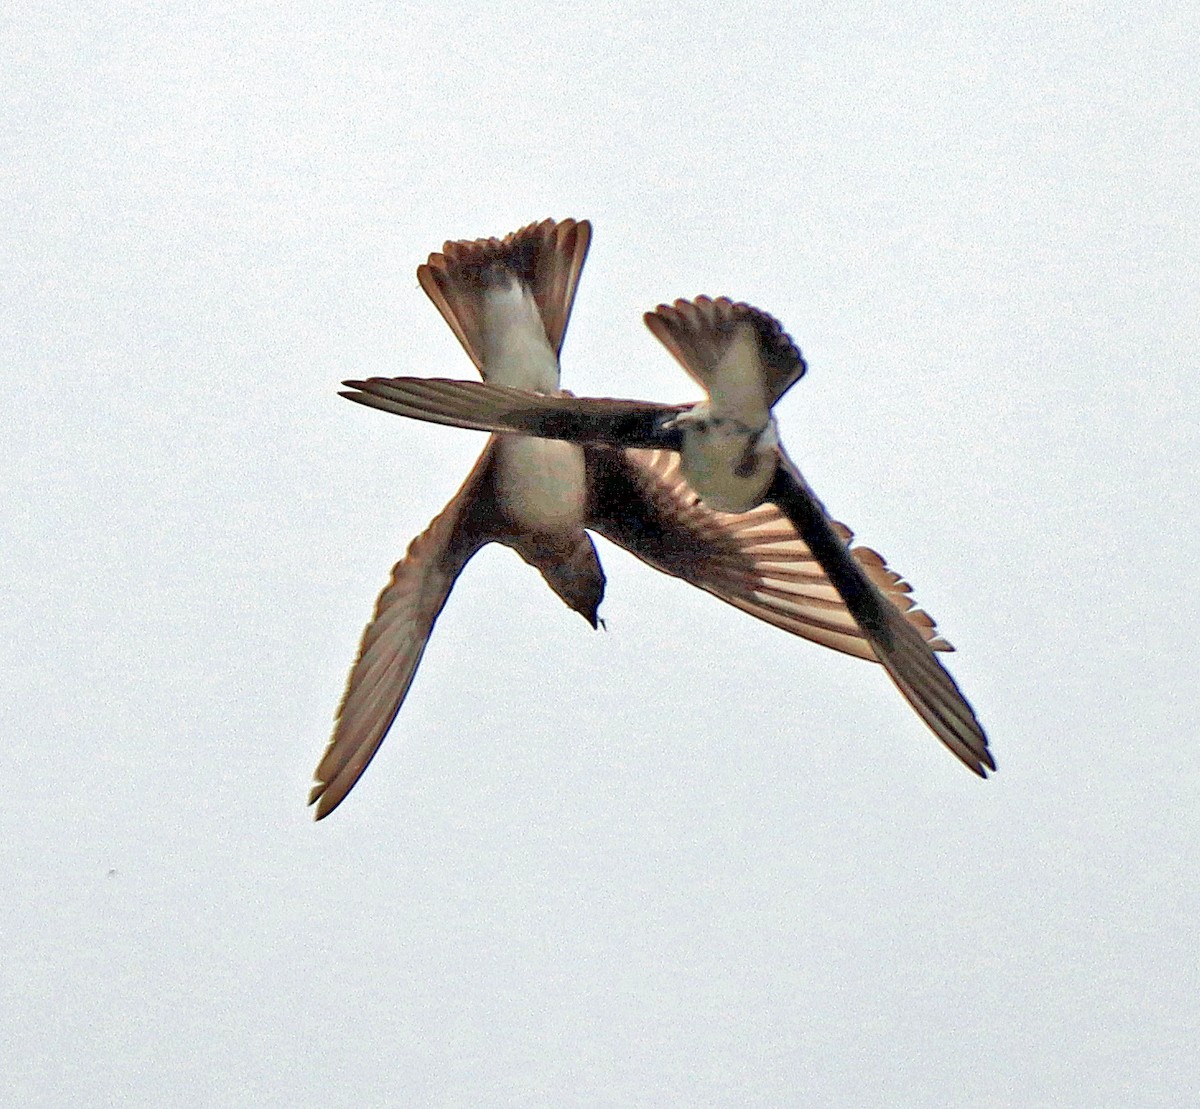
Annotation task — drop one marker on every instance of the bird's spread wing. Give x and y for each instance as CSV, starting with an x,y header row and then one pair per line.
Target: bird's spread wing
x,y
701,333
546,257
395,639
896,642
498,408
642,502
755,560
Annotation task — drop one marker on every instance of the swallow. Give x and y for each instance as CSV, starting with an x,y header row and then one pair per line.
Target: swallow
x,y
508,301
730,459
744,360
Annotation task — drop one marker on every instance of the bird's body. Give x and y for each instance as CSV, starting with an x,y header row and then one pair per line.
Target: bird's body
x,y
540,484
729,444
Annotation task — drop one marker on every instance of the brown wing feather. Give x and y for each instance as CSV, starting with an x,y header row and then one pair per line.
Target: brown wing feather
x,y
482,406
395,639
755,561
546,256
898,643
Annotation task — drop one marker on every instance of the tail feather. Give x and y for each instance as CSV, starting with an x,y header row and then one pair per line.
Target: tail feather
x,y
699,333
546,257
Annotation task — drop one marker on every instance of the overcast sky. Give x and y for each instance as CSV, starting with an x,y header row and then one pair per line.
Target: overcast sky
x,y
689,859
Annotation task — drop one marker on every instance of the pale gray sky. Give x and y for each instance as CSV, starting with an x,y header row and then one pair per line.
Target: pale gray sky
x,y
689,860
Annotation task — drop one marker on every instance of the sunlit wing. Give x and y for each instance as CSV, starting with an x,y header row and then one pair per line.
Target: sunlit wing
x,y
754,560
395,639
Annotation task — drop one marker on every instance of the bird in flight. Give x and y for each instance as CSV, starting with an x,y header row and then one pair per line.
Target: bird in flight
x,y
508,302
732,466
